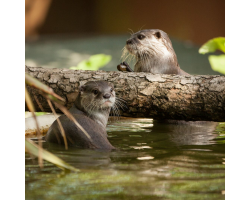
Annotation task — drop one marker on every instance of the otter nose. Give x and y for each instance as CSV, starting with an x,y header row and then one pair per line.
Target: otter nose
x,y
129,42
106,96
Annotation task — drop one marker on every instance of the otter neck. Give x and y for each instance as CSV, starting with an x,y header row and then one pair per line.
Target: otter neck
x,y
100,116
152,64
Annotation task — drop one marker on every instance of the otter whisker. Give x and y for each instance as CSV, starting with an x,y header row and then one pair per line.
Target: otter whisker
x,y
129,56
114,112
121,106
130,33
125,55
119,98
142,27
117,111
131,30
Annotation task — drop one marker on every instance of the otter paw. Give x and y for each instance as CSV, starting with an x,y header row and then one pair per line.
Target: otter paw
x,y
127,66
122,67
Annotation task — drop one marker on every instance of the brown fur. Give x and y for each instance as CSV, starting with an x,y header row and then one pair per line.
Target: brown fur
x,y
91,110
153,52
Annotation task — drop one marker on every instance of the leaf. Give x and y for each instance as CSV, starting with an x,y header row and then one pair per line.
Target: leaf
x,y
82,64
93,63
31,108
217,63
40,113
99,60
213,45
33,148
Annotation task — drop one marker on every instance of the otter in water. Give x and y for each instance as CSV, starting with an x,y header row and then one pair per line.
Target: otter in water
x,y
91,110
153,52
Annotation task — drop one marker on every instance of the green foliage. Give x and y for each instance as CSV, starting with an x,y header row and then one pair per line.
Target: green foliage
x,y
40,113
217,62
94,62
213,45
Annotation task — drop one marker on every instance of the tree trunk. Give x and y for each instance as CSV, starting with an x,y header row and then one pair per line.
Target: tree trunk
x,y
159,96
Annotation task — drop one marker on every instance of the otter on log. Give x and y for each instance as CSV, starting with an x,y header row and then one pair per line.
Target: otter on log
x,y
153,52
91,110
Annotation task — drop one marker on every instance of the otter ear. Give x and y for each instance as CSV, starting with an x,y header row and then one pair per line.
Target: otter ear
x,y
82,88
158,34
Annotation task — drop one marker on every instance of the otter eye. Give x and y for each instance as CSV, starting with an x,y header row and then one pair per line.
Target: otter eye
x,y
158,34
111,90
95,91
140,37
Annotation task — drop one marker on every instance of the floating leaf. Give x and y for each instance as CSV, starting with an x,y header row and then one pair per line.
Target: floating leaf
x,y
217,63
213,45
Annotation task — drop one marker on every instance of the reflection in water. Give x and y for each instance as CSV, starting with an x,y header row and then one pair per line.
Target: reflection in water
x,y
141,147
130,125
188,133
154,160
145,158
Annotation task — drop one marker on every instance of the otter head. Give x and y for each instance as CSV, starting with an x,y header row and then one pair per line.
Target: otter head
x,y
96,97
152,50
148,43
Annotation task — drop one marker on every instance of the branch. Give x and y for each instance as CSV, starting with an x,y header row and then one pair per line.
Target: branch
x,y
159,96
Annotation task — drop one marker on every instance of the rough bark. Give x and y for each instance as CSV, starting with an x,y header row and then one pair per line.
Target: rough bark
x,y
160,96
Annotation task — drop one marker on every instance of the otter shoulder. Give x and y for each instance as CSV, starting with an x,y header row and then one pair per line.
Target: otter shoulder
x,y
75,137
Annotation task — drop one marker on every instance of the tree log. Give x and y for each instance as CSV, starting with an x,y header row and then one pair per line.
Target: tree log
x,y
159,96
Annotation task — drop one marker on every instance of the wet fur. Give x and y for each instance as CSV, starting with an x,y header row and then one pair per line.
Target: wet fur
x,y
91,113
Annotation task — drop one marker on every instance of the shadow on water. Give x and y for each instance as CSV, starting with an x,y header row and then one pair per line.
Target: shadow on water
x,y
154,160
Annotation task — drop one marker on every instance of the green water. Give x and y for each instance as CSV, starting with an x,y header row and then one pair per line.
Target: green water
x,y
154,160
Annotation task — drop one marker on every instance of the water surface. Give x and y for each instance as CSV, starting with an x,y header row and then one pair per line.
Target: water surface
x,y
154,160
